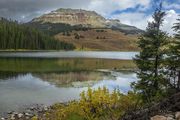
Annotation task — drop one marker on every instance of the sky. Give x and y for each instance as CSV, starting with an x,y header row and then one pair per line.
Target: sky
x,y
131,12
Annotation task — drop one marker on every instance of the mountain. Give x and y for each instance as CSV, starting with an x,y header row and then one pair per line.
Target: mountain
x,y
73,17
88,19
88,30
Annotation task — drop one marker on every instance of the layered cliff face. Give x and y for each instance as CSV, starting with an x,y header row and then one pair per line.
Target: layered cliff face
x,y
73,17
85,18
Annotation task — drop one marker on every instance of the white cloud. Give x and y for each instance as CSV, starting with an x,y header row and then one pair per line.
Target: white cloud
x,y
131,3
170,19
171,5
137,19
105,7
140,20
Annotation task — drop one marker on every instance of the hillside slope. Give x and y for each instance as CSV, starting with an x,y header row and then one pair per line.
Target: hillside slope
x,y
100,39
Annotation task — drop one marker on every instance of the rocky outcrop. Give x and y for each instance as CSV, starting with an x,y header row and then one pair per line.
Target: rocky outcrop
x,y
167,109
73,17
34,110
85,18
172,116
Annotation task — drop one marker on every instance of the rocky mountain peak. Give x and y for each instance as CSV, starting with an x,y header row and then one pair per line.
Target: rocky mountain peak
x,y
73,17
85,18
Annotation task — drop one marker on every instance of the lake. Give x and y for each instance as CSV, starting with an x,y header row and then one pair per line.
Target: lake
x,y
28,78
73,54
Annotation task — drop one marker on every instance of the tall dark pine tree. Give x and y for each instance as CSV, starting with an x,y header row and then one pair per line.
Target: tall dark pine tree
x,y
174,60
150,59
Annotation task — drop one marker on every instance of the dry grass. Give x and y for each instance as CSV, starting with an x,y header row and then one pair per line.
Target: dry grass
x,y
108,40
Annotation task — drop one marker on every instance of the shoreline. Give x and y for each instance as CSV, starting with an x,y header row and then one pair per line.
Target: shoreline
x,y
21,50
29,111
71,54
26,113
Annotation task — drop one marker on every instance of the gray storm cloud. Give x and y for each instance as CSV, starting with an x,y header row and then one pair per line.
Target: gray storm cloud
x,y
25,10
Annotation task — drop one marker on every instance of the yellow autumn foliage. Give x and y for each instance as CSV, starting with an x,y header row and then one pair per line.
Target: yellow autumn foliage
x,y
97,104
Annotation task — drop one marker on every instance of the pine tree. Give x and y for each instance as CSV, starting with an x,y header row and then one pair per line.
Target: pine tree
x,y
150,59
17,36
173,65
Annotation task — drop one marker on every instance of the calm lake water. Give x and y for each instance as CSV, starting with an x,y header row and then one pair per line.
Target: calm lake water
x,y
73,54
50,77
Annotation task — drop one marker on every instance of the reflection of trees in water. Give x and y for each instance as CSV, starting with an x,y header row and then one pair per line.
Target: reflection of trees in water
x,y
61,78
27,64
61,65
9,75
67,78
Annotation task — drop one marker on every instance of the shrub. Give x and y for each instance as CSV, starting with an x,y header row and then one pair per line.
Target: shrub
x,y
97,104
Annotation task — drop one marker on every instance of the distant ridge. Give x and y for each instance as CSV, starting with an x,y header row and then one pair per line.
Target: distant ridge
x,y
85,18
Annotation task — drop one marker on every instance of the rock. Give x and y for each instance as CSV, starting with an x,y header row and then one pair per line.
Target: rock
x,y
170,117
15,113
10,112
32,108
27,118
45,108
177,115
12,117
158,117
2,118
161,117
28,114
28,111
20,115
